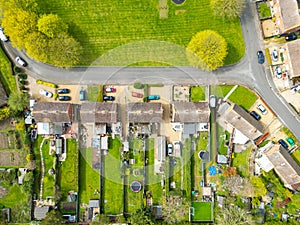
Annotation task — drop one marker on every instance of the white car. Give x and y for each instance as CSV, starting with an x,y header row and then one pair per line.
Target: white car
x,y
278,72
275,55
2,35
261,108
21,61
170,149
46,93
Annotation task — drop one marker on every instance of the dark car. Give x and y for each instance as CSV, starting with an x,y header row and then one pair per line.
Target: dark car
x,y
283,144
260,57
108,98
255,115
290,37
64,98
63,91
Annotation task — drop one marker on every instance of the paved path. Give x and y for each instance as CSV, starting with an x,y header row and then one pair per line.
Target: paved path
x,y
246,72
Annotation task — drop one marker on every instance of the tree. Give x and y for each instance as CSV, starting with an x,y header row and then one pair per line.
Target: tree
x,y
53,217
233,216
31,165
4,113
51,25
207,49
141,217
37,46
17,101
228,8
28,182
259,186
174,209
29,157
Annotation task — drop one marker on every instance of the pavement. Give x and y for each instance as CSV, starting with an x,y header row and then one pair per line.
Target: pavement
x,y
246,72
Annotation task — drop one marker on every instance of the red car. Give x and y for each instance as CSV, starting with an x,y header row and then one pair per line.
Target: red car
x,y
110,89
136,94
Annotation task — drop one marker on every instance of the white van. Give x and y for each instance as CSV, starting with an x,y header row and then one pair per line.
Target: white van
x,y
2,35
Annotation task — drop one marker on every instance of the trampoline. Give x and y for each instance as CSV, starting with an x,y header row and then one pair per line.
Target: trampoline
x,y
212,170
178,2
136,186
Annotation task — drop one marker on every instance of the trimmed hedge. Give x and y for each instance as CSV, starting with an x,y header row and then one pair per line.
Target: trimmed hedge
x,y
46,83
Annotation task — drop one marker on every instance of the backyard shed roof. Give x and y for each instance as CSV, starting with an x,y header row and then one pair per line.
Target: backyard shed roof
x,y
40,212
53,112
94,203
191,112
99,112
144,112
161,148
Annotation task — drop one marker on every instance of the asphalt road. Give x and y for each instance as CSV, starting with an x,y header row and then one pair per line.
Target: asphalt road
x,y
247,72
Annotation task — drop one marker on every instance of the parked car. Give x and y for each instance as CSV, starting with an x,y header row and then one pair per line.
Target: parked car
x,y
255,115
137,95
170,149
46,93
82,95
261,108
290,37
283,144
153,97
64,98
63,91
278,72
212,101
21,61
110,89
295,89
290,141
3,37
108,98
275,55
260,57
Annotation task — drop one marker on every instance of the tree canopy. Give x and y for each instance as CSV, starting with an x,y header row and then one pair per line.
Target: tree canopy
x,y
53,217
207,50
18,101
44,37
228,8
233,216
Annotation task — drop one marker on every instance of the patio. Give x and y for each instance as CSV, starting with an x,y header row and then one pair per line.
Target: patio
x,y
269,28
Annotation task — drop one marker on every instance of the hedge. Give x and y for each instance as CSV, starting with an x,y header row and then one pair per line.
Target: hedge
x,y
46,83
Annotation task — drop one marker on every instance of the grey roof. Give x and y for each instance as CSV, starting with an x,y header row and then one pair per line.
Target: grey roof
x,y
161,148
222,159
191,112
294,52
99,112
289,13
144,112
189,129
239,119
94,203
52,112
40,212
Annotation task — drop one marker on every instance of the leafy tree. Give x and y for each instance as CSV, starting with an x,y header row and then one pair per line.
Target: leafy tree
x,y
228,8
233,216
4,113
174,209
259,186
29,157
51,25
141,217
207,49
28,182
17,101
37,46
31,165
53,217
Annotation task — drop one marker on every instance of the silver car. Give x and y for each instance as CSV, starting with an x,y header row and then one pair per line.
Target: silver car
x,y
20,61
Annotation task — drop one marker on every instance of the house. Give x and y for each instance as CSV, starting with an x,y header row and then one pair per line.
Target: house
x,y
286,13
99,112
53,112
40,212
292,53
285,166
190,112
144,112
232,117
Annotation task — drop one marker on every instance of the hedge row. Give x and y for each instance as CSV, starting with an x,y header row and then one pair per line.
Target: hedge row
x,y
46,83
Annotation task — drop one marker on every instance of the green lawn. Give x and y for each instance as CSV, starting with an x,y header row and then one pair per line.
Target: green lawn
x,y
6,78
197,94
202,143
89,178
36,148
202,211
222,149
68,171
222,91
17,201
136,151
113,184
241,162
243,97
187,172
95,93
296,156
134,199
104,25
49,162
264,10
154,180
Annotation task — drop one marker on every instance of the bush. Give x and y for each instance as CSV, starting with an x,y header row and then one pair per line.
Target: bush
x,y
46,83
138,85
22,76
17,69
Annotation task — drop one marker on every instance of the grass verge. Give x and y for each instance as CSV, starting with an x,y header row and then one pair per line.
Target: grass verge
x,y
197,94
243,97
6,78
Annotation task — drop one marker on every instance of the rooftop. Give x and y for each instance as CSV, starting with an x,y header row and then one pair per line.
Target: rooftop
x,y
99,112
52,112
143,112
191,112
294,52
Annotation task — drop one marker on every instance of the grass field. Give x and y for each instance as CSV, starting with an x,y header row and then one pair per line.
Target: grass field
x,y
241,162
221,91
202,143
68,171
243,97
104,25
36,148
187,172
197,94
89,178
95,93
222,148
113,184
202,211
296,156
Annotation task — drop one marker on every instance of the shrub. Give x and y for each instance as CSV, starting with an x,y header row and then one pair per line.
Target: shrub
x,y
138,85
22,76
4,113
17,69
46,83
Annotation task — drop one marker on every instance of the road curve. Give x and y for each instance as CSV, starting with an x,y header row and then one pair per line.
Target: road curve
x,y
247,72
